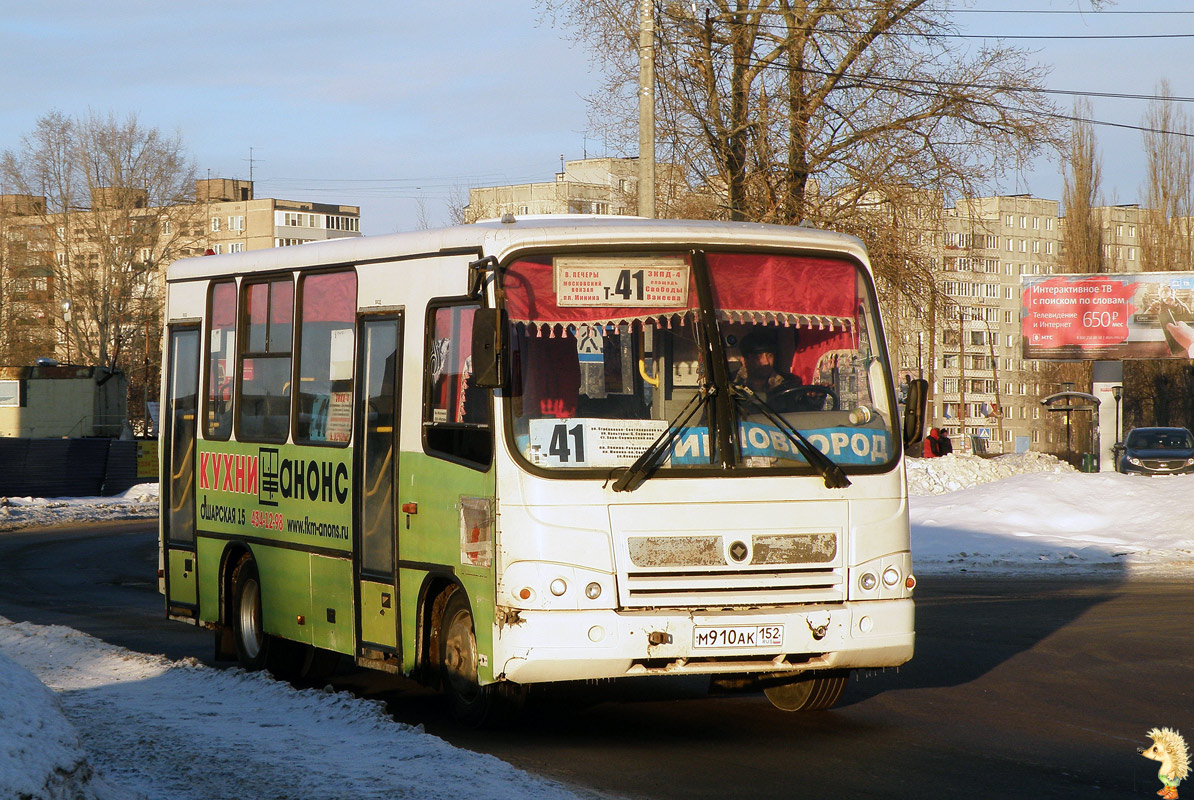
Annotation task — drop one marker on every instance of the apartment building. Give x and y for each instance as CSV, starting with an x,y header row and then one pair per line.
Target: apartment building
x,y
983,393
86,281
1122,233
234,220
585,186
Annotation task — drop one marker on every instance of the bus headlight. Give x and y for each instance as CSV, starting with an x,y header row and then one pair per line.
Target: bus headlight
x,y
868,581
558,587
891,576
593,590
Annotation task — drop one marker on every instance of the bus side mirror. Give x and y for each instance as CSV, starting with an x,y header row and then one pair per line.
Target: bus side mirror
x,y
489,347
914,411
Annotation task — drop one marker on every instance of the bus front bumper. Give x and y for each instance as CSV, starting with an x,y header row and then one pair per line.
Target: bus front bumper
x,y
539,646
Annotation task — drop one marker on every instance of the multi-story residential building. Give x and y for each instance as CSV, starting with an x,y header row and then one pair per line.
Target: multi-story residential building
x,y
586,186
84,285
50,260
1122,233
984,393
234,220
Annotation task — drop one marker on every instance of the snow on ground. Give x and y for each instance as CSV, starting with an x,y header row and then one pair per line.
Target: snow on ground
x,y
139,502
1029,512
119,724
179,730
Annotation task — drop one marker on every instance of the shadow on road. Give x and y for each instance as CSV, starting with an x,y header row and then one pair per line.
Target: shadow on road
x,y
967,625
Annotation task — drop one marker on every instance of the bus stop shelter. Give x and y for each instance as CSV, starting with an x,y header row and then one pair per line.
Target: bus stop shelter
x,y
1070,402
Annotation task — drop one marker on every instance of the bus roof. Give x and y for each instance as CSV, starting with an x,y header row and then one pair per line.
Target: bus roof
x,y
497,238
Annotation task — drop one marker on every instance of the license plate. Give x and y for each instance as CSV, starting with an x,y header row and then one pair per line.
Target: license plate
x,y
739,636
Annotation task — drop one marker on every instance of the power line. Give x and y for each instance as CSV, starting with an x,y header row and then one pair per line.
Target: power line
x,y
885,83
946,35
1066,11
988,86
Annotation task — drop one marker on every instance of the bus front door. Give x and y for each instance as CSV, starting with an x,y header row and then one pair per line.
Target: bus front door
x,y
379,379
180,420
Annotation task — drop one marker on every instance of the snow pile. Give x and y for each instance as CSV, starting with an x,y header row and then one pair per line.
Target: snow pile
x,y
961,471
1056,523
40,754
139,502
155,728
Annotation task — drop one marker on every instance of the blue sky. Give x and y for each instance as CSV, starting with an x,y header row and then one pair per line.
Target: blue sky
x,y
378,104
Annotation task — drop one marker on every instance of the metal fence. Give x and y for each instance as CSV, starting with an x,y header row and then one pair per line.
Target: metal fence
x,y
68,467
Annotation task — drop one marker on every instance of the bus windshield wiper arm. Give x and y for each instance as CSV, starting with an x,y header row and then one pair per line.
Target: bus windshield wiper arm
x,y
641,469
823,464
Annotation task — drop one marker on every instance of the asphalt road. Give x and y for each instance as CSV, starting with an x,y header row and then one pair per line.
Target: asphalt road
x,y
1019,688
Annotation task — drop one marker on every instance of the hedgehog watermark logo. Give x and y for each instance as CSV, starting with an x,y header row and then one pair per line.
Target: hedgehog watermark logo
x,y
1169,748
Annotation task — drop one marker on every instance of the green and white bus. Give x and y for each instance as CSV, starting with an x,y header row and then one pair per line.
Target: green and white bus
x,y
541,449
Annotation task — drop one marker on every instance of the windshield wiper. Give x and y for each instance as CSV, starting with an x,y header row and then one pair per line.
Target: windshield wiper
x,y
823,464
645,464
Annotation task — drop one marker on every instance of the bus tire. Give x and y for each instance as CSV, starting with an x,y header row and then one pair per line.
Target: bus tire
x,y
816,691
248,630
471,703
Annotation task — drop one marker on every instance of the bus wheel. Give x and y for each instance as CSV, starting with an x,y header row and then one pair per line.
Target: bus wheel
x,y
248,632
471,703
815,692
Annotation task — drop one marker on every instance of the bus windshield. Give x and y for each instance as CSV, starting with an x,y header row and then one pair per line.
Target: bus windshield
x,y
613,354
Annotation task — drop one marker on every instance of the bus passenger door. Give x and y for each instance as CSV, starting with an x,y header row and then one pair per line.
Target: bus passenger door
x,y
180,421
379,381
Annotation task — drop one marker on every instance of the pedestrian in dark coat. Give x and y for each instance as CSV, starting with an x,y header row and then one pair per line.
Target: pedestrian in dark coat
x,y
944,445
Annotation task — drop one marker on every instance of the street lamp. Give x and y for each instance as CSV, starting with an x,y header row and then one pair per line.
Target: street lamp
x,y
1118,393
66,328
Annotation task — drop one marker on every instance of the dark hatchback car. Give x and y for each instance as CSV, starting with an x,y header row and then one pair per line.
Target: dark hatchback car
x,y
1158,451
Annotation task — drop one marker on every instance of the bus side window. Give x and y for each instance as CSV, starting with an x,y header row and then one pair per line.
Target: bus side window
x,y
221,359
327,310
456,416
267,314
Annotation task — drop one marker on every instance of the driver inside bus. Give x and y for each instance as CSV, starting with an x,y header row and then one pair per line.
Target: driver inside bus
x,y
759,349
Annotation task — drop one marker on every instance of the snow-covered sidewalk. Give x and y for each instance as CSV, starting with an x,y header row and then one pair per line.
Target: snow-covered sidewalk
x,y
120,724
1028,513
18,513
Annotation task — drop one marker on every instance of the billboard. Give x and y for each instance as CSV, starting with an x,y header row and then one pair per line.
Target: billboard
x,y
1108,316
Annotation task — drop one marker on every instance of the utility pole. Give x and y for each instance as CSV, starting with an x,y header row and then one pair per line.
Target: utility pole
x,y
991,336
962,373
646,109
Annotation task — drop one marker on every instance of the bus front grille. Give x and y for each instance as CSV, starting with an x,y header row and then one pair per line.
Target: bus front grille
x,y
724,588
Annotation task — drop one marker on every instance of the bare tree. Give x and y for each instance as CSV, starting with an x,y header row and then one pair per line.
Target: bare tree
x,y
1082,238
458,209
773,101
844,114
1161,391
1082,252
422,216
116,200
1167,243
